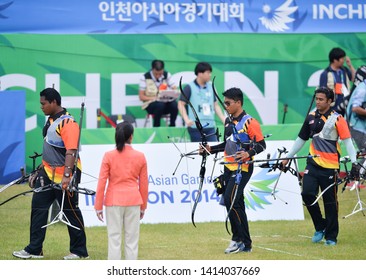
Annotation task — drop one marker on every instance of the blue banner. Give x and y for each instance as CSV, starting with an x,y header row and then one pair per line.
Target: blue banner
x,y
12,131
186,16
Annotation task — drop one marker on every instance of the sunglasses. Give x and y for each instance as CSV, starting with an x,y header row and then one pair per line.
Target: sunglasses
x,y
228,103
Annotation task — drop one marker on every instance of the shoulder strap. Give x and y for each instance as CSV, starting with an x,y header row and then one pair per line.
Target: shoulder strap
x,y
147,75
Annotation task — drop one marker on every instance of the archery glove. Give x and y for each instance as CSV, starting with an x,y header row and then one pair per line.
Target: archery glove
x,y
355,171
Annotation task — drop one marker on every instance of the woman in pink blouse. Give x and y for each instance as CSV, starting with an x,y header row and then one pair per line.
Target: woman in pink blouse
x,y
124,196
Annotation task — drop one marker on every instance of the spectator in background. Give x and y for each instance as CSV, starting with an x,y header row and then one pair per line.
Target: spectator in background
x,y
200,93
360,76
338,77
356,109
151,83
125,197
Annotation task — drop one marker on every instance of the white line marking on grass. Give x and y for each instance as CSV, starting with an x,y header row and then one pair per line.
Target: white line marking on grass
x,y
305,236
279,251
274,250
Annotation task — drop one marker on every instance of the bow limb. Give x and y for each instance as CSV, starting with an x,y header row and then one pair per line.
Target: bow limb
x,y
15,196
321,194
198,197
197,120
231,207
235,189
327,188
25,177
213,168
40,189
17,181
204,155
219,99
47,188
336,182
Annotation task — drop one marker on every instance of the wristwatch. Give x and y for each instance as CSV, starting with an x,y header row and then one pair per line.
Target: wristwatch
x,y
67,175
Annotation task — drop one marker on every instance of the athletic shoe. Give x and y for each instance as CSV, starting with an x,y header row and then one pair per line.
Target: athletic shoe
x,y
23,254
318,236
330,243
72,256
236,247
246,249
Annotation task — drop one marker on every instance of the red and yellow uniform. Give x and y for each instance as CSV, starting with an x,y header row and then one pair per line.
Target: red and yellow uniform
x,y
61,133
248,131
325,130
242,134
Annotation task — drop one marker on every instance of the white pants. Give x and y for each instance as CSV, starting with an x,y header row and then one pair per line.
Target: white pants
x,y
121,219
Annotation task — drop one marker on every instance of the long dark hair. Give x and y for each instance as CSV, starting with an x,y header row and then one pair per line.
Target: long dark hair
x,y
124,130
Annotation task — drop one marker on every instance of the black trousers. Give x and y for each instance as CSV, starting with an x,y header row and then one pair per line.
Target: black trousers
x,y
315,177
41,203
161,108
237,216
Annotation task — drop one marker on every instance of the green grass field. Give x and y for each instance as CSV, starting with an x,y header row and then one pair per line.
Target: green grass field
x,y
272,240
